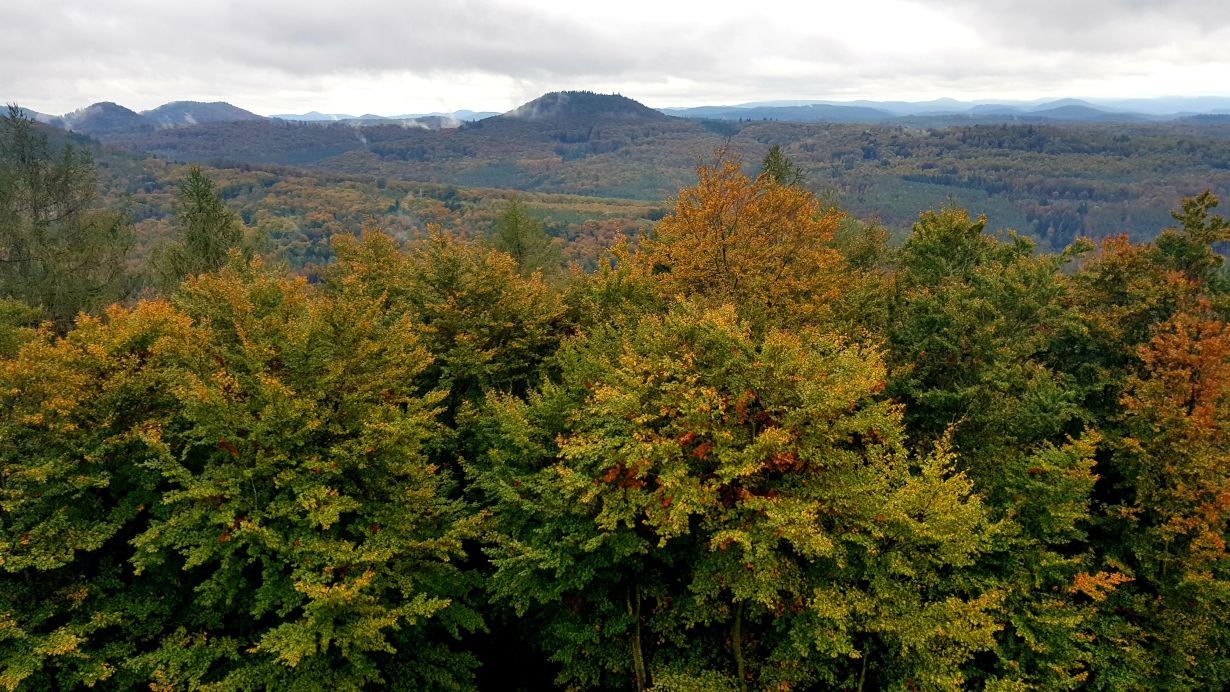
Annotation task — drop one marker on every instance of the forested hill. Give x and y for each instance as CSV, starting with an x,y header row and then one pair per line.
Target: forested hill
x,y
197,113
576,107
106,119
102,119
1054,181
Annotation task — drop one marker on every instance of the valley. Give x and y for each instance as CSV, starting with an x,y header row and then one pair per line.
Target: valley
x,y
1053,180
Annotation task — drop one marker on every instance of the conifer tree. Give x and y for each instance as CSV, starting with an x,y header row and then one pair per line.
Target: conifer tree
x,y
206,232
57,251
780,169
521,236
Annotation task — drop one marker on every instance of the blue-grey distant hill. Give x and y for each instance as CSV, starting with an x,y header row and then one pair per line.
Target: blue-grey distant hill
x,y
941,112
104,118
811,113
1079,113
460,116
197,113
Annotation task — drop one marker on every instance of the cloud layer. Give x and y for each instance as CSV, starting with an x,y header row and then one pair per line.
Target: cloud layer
x,y
394,57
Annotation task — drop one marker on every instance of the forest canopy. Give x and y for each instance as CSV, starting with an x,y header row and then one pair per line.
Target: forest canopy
x,y
761,449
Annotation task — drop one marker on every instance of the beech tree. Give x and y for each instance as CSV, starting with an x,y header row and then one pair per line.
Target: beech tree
x,y
974,326
692,503
74,491
755,243
234,492
485,325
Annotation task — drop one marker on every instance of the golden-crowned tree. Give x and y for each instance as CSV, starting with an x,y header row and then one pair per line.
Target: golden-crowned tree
x,y
756,243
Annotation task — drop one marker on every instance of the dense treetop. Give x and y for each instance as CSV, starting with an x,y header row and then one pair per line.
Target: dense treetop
x,y
759,447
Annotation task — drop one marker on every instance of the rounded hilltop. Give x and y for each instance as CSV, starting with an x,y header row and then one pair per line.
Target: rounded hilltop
x,y
583,105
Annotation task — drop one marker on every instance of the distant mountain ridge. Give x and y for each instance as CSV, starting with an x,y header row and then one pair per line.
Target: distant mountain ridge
x,y
814,112
198,113
568,124
576,106
459,116
108,118
558,126
951,111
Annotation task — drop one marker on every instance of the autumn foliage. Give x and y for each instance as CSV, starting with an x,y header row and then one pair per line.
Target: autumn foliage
x,y
751,242
761,449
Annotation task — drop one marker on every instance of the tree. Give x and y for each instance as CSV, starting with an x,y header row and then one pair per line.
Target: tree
x,y
57,252
232,491
521,236
975,331
1149,361
301,497
695,505
486,325
780,169
74,491
756,244
1173,509
1189,247
16,318
206,232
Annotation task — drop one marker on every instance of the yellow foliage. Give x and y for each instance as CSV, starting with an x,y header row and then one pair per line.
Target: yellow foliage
x,y
751,242
1097,586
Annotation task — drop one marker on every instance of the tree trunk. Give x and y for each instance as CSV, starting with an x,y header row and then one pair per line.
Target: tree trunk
x,y
638,657
736,642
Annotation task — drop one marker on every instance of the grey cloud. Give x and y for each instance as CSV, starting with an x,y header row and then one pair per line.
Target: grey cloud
x,y
1092,26
69,52
301,39
133,41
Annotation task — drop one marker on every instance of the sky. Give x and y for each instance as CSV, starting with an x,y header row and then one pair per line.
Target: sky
x,y
391,58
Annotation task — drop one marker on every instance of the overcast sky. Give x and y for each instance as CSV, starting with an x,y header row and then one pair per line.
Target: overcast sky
x,y
378,56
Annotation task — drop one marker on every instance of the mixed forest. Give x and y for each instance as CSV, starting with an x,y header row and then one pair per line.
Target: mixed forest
x,y
1052,180
274,427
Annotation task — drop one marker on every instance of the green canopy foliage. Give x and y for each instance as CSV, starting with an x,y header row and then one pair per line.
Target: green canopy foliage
x,y
761,449
732,504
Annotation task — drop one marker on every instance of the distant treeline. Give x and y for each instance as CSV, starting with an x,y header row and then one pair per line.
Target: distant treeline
x,y
1053,182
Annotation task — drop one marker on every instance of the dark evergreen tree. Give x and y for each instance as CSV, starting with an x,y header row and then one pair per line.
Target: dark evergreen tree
x,y
57,251
205,232
522,237
781,169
